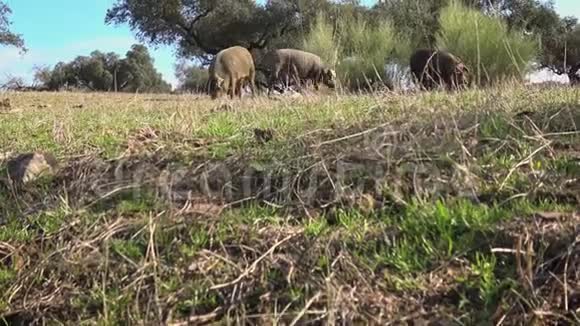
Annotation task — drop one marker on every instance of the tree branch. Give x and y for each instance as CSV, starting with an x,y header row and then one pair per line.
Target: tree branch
x,y
191,36
199,17
266,36
261,42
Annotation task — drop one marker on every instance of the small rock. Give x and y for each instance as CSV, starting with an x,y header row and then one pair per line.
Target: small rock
x,y
78,106
28,167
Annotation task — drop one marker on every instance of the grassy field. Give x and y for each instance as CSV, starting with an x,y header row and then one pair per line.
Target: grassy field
x,y
384,209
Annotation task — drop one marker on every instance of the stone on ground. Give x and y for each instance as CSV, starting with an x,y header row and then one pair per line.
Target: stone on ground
x,y
28,167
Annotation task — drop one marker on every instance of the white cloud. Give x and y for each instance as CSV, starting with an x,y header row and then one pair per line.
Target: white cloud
x,y
12,63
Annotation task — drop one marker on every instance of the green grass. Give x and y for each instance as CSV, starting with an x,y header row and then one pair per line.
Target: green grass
x,y
357,201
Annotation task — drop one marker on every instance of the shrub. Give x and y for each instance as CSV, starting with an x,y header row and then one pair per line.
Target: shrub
x,y
192,78
485,43
322,41
366,52
358,49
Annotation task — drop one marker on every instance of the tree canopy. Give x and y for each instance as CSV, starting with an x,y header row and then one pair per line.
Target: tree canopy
x,y
7,37
106,72
201,28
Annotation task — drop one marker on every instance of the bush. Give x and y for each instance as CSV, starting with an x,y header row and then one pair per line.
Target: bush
x,y
322,41
191,78
367,49
485,43
357,49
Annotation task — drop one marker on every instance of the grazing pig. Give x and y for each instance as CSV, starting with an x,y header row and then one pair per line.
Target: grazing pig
x,y
296,66
231,69
432,68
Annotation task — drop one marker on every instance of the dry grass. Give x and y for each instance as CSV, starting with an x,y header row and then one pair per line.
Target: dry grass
x,y
373,209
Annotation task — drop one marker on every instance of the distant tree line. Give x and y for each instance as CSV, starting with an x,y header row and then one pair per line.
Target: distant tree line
x,y
97,72
105,72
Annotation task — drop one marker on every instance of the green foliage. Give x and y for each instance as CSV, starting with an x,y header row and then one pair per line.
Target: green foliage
x,y
202,28
491,50
191,78
484,268
321,41
7,275
559,36
136,73
357,48
129,249
430,232
316,227
7,37
50,221
354,222
126,257
417,20
106,72
367,49
138,201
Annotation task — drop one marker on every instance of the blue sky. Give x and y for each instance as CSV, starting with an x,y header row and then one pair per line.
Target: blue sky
x,y
59,30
